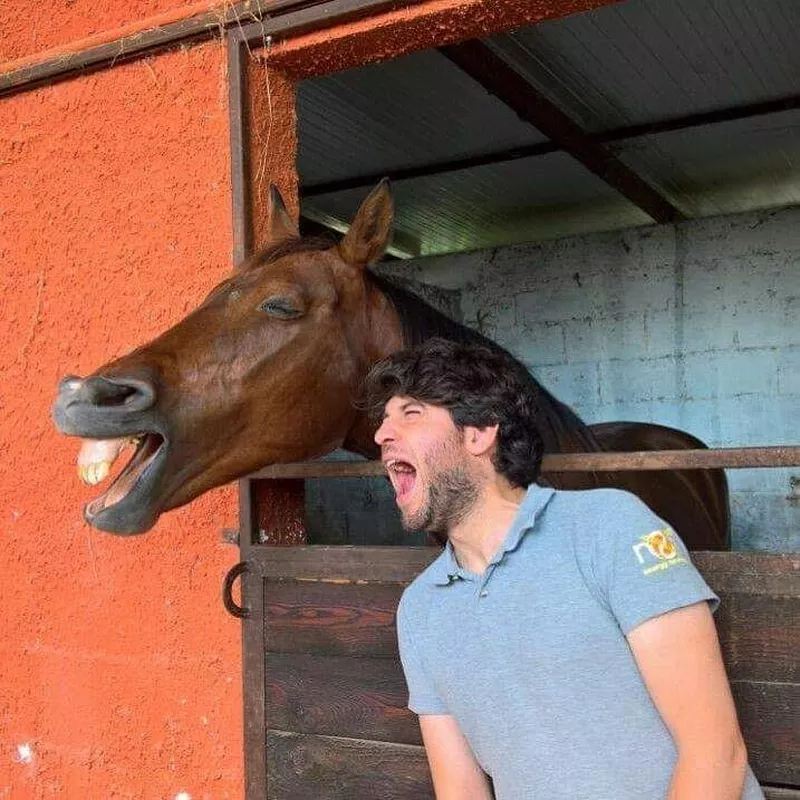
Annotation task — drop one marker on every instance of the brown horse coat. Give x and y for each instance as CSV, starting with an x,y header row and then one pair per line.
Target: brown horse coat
x,y
268,370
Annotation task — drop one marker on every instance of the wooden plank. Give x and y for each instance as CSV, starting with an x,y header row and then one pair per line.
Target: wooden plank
x,y
342,563
760,637
362,698
254,682
478,61
751,573
759,631
759,617
323,618
769,714
780,793
726,572
305,767
719,458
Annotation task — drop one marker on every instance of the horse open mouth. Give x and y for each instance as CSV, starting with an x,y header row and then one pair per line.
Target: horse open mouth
x,y
95,460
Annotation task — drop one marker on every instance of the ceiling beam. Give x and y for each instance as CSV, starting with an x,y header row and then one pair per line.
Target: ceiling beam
x,y
426,170
498,78
670,125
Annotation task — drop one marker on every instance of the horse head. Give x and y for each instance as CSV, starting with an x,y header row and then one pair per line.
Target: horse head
x,y
262,372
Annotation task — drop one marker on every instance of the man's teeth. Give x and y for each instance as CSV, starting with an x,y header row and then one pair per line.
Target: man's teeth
x,y
396,465
97,456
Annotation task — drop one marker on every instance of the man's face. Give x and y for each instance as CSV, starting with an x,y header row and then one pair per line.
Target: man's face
x,y
427,463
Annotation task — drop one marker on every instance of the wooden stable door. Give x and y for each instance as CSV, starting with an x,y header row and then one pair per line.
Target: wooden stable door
x,y
325,715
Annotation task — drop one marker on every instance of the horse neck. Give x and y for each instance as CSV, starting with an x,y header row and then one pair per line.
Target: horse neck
x,y
400,319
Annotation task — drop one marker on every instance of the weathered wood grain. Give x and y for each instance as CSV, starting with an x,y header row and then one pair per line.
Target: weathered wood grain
x,y
346,563
760,636
303,767
319,618
332,670
362,698
780,793
769,714
751,573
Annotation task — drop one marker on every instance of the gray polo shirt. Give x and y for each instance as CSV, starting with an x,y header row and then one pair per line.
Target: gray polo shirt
x,y
531,657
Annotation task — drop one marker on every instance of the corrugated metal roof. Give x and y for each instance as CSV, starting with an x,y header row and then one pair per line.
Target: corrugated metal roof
x,y
636,62
413,110
725,168
646,60
488,206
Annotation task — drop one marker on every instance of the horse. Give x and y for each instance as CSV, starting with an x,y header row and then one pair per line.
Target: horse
x,y
268,369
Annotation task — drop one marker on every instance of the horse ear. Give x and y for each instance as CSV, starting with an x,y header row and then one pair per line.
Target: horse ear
x,y
371,230
281,225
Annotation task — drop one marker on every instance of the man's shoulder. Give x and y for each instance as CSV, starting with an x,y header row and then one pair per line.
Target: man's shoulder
x,y
604,502
418,594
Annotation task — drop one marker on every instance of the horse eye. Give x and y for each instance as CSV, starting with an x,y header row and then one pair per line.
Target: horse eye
x,y
280,307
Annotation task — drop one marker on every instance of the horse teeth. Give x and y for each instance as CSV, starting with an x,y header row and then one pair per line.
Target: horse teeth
x,y
92,474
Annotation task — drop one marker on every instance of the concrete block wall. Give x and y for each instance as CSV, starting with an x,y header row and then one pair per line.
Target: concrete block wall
x,y
695,325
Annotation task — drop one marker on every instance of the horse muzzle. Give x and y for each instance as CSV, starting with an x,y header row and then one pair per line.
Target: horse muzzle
x,y
103,407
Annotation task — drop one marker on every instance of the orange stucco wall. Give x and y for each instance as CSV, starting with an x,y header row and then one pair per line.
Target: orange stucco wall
x,y
120,672
30,28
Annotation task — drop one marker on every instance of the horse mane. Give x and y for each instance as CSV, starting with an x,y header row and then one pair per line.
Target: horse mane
x,y
562,430
293,246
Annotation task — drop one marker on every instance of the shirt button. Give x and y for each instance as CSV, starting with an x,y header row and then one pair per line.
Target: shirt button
x,y
484,593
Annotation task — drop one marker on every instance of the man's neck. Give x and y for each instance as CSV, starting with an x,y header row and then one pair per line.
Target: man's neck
x,y
478,536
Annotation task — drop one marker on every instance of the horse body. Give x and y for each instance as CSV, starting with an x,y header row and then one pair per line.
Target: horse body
x,y
268,370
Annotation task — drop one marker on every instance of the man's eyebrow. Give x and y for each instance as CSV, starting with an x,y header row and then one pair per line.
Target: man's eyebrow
x,y
403,407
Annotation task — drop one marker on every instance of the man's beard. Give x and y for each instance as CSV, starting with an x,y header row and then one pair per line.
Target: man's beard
x,y
451,495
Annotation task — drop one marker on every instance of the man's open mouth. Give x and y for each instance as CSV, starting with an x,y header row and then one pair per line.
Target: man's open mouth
x,y
403,476
97,457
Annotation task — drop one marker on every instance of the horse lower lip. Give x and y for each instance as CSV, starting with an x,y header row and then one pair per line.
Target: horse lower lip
x,y
131,476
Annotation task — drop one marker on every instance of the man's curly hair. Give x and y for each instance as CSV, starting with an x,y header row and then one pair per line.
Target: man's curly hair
x,y
479,386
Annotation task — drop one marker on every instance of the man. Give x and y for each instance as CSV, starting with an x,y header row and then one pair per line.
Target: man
x,y
563,642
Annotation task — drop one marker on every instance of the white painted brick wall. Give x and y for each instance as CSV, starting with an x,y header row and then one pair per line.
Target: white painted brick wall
x,y
695,325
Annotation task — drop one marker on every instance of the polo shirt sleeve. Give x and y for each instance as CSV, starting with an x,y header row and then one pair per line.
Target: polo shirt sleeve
x,y
422,696
641,566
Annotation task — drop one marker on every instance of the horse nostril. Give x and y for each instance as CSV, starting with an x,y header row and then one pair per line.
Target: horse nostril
x,y
128,393
101,392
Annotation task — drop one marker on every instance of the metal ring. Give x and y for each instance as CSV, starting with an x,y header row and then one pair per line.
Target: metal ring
x,y
227,588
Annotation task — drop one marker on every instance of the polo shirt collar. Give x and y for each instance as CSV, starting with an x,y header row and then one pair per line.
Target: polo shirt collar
x,y
447,570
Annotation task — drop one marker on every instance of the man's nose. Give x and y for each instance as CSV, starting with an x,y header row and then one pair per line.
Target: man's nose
x,y
385,433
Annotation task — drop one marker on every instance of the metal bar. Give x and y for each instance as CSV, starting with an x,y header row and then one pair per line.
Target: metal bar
x,y
719,458
258,18
497,77
202,26
252,582
320,15
237,112
426,170
545,148
699,120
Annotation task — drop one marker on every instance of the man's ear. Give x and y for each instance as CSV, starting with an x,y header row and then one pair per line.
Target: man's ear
x,y
480,441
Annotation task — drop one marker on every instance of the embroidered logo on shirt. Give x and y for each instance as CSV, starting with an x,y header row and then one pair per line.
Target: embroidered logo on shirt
x,y
658,551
